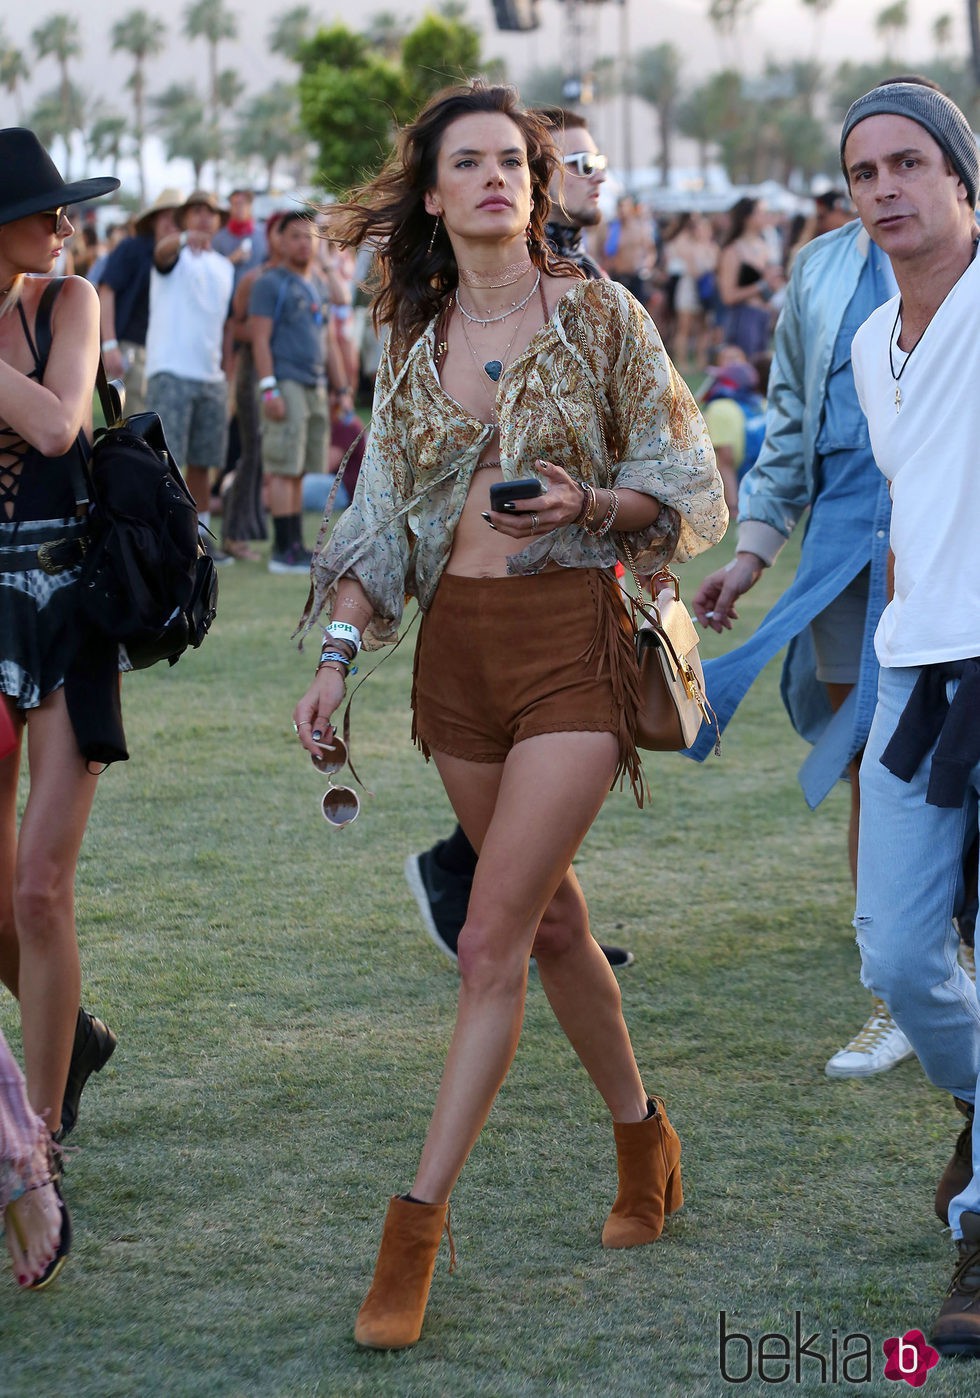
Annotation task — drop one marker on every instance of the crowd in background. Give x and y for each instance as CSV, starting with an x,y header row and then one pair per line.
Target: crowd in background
x,y
713,283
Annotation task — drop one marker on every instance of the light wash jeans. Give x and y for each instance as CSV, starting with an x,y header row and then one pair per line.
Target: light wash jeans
x,y
910,858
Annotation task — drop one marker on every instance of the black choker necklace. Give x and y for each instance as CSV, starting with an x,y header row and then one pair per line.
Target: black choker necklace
x,y
892,340
905,361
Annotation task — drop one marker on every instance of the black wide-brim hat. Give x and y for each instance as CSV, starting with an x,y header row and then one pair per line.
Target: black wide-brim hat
x,y
30,182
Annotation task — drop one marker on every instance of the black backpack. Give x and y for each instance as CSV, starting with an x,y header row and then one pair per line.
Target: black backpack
x,y
146,580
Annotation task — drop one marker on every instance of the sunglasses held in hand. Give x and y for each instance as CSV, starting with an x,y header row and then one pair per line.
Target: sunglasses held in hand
x,y
340,805
586,162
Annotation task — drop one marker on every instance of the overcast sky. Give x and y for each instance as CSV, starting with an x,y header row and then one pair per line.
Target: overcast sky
x,y
779,28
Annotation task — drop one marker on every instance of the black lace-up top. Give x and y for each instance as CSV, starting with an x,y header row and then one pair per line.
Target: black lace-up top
x,y
33,486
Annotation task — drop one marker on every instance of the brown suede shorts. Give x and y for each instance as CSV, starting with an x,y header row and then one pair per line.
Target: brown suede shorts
x,y
499,660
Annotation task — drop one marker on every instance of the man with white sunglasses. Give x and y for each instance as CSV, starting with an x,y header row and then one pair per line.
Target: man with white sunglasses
x,y
575,188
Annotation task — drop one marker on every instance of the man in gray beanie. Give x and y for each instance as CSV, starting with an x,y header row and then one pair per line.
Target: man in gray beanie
x,y
931,109
910,160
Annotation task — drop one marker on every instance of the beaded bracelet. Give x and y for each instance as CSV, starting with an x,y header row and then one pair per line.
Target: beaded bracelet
x,y
328,653
607,523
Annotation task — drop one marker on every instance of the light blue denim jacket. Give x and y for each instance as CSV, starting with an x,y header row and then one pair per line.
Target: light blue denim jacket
x,y
813,417
782,482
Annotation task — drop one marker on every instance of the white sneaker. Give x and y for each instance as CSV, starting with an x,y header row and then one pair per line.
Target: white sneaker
x,y
967,959
877,1046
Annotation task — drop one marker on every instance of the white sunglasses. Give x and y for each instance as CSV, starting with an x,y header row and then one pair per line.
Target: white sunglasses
x,y
586,162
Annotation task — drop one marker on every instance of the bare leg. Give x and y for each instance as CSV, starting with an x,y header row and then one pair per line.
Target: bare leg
x,y
682,339
285,495
9,951
527,818
199,484
57,810
569,958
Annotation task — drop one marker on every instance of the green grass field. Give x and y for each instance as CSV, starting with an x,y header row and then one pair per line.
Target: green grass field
x,y
282,1020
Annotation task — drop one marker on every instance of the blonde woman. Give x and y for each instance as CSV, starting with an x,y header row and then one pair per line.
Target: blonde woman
x,y
49,347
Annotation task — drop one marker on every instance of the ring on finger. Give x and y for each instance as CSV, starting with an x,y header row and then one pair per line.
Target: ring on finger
x,y
534,523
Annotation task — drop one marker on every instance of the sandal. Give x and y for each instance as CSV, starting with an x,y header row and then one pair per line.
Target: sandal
x,y
14,1225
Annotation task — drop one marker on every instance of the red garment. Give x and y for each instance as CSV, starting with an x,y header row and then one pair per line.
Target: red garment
x,y
8,733
344,435
241,227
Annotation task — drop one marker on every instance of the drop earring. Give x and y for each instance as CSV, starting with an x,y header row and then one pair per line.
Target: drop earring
x,y
432,240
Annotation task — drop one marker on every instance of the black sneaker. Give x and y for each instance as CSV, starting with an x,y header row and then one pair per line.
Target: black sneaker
x,y
442,897
295,559
617,956
91,1051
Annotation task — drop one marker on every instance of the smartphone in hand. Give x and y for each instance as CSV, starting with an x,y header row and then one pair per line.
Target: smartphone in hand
x,y
504,493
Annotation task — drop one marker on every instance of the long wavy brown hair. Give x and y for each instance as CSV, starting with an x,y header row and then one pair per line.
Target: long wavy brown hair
x,y
389,212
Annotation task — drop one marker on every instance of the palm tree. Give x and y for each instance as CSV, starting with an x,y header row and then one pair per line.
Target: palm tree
x,y
289,31
726,16
59,37
106,130
181,120
141,36
890,23
13,70
268,128
656,78
385,32
58,113
212,21
942,33
230,88
819,9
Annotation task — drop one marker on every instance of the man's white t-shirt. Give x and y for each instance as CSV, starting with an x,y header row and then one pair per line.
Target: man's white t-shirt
x,y
188,310
929,449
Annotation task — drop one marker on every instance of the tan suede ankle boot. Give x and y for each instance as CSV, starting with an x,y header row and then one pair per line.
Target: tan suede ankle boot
x,y
391,1316
648,1156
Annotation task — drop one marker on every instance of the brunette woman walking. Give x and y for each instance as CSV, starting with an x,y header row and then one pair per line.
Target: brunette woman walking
x,y
504,364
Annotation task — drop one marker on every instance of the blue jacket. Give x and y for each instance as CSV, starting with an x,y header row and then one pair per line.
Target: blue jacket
x,y
816,436
781,484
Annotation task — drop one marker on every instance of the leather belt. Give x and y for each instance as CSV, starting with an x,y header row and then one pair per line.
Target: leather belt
x,y
54,556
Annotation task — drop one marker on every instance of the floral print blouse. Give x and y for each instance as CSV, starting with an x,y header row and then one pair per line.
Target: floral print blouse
x,y
594,391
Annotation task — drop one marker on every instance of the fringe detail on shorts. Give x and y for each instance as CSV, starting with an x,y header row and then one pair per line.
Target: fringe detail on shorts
x,y
417,738
613,650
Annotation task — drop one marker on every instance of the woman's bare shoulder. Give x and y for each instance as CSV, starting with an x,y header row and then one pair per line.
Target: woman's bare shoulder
x,y
74,292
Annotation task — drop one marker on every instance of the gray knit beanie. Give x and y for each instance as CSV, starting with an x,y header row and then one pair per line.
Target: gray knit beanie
x,y
940,116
